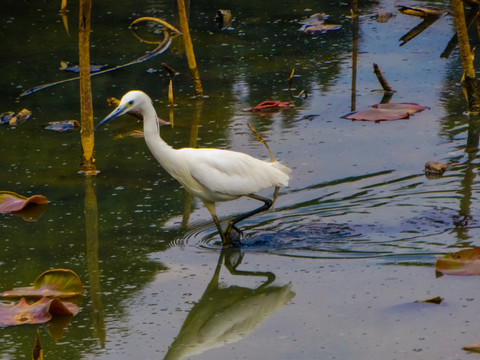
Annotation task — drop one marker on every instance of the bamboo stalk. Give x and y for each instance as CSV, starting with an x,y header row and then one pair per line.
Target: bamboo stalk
x,y
192,64
86,107
471,84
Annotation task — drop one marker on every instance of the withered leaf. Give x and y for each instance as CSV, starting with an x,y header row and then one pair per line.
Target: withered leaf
x,y
38,312
464,262
60,283
20,118
11,202
472,348
435,300
418,11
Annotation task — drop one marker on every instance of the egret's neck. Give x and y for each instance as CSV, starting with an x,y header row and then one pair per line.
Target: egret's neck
x,y
151,129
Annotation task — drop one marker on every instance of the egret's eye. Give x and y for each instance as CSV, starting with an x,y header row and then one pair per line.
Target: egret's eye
x,y
130,102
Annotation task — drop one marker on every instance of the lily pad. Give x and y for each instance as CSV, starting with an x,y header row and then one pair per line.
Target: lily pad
x,y
39,312
59,283
464,262
11,202
378,115
386,112
412,108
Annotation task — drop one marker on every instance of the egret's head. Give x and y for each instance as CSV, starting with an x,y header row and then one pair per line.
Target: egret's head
x,y
130,101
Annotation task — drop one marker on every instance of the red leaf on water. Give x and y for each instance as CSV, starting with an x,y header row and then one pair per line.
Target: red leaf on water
x,y
36,313
10,201
269,105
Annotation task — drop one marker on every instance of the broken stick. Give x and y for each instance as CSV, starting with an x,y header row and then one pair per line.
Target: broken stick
x,y
385,85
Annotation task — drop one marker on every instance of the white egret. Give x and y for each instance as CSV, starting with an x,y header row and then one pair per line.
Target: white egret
x,y
210,174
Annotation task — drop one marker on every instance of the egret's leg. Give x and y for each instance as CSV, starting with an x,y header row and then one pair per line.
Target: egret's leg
x,y
213,212
267,203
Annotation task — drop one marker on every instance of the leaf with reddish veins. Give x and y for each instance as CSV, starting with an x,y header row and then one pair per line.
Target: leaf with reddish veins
x,y
36,313
10,201
464,262
60,283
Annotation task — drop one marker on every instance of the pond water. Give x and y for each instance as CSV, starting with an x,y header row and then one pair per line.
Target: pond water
x,y
332,271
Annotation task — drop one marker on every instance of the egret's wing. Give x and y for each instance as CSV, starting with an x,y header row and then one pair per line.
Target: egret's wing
x,y
230,172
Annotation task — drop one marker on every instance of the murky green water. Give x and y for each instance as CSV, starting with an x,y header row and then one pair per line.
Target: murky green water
x,y
331,272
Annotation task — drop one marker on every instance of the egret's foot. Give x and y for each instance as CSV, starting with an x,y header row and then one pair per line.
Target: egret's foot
x,y
230,227
232,236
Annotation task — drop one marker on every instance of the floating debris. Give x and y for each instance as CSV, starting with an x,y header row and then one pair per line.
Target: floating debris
x,y
65,66
437,300
309,117
223,19
315,24
435,168
61,126
465,262
20,118
383,17
6,117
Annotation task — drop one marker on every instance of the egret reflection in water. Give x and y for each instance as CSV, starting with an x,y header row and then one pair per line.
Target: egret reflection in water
x,y
225,315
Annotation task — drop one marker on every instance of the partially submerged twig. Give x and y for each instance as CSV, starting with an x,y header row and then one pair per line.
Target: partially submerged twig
x,y
385,85
260,138
290,78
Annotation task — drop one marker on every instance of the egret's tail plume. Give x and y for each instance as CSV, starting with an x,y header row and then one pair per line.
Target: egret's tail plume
x,y
283,178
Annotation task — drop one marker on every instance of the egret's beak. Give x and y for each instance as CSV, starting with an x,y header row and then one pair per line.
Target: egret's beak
x,y
119,111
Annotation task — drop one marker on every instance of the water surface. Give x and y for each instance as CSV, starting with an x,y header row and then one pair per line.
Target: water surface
x,y
331,271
